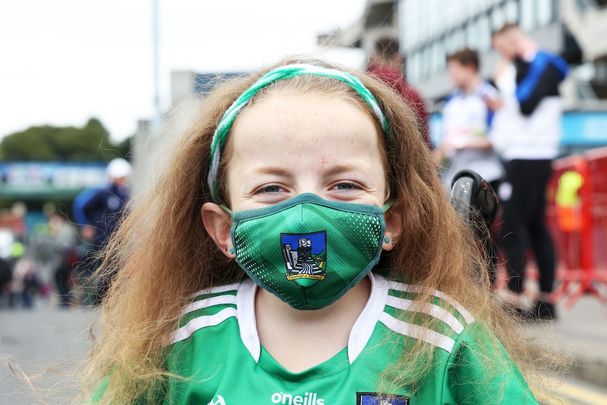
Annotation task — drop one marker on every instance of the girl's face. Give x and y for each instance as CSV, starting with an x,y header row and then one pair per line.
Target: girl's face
x,y
288,144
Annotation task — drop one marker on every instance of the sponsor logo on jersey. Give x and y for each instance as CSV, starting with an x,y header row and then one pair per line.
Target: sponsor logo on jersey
x,y
217,400
305,256
309,398
374,398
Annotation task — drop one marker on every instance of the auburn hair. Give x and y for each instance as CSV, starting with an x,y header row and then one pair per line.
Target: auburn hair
x,y
161,253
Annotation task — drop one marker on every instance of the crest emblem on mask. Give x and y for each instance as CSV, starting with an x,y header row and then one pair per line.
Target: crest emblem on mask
x,y
373,398
305,256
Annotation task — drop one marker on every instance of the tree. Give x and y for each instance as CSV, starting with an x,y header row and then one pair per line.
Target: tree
x,y
49,143
125,148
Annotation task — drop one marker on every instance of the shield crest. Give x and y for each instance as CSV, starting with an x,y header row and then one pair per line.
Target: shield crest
x,y
374,398
305,256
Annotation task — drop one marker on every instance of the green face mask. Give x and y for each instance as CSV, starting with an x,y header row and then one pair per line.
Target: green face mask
x,y
308,251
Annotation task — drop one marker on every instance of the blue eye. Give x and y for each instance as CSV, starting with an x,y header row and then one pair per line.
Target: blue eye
x,y
346,186
269,189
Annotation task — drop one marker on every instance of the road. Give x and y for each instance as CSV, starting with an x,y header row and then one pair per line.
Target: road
x,y
47,344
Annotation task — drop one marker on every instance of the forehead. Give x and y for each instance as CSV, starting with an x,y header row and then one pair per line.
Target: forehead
x,y
502,38
457,67
453,64
283,118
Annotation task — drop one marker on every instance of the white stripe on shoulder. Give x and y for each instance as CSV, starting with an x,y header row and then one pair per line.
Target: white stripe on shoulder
x,y
394,285
215,290
417,332
427,308
209,302
363,328
201,322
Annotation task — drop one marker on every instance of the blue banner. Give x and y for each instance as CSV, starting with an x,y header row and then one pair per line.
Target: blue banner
x,y
49,179
584,128
578,128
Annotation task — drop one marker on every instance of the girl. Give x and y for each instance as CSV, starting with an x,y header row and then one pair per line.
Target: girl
x,y
299,249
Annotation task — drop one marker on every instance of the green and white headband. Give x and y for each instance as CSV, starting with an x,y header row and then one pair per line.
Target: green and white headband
x,y
220,136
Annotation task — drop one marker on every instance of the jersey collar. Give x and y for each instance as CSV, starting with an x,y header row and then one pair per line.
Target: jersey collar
x,y
359,335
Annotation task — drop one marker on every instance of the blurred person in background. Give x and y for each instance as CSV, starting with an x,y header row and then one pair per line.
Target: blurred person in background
x,y
82,261
41,252
467,118
49,248
507,119
6,276
85,250
25,283
99,212
11,250
17,253
64,238
528,153
386,64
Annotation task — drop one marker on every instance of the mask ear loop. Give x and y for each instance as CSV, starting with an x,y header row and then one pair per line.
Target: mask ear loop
x,y
385,208
224,207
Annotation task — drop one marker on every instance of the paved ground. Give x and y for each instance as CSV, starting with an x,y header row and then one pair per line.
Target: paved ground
x,y
49,341
581,332
46,344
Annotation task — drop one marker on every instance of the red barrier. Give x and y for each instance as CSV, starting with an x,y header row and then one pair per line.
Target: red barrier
x,y
577,217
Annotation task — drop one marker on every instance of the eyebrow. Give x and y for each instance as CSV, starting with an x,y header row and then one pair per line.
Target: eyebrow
x,y
335,170
275,171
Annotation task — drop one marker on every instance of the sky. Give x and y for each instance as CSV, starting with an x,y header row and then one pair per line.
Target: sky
x,y
64,61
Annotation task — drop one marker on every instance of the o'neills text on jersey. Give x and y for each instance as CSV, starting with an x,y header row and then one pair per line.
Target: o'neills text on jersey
x,y
309,398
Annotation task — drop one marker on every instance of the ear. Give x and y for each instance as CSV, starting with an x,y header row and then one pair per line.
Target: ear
x,y
217,223
394,227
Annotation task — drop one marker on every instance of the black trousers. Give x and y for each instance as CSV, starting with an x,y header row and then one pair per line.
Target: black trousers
x,y
62,281
523,197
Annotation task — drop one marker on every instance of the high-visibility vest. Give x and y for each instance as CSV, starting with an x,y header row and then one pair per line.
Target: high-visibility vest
x,y
568,201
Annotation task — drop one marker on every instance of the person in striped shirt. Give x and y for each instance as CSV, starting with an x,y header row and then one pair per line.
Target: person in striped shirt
x,y
299,249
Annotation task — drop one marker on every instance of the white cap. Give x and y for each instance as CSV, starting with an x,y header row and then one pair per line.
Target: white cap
x,y
118,168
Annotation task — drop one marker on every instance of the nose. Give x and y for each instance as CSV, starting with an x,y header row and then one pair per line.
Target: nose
x,y
309,183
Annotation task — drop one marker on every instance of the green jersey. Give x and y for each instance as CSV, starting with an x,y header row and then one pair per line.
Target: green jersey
x,y
218,352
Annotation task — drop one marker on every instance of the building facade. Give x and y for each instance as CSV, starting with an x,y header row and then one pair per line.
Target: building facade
x,y
429,30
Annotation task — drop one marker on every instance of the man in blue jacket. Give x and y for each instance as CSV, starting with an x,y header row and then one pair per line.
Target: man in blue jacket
x,y
99,212
528,156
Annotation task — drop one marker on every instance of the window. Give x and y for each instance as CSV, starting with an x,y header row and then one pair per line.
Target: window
x,y
413,67
427,63
450,42
433,18
422,66
409,27
437,56
497,18
472,34
484,33
459,39
432,62
528,15
545,12
511,13
442,54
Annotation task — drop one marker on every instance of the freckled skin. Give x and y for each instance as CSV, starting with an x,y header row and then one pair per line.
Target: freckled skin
x,y
306,135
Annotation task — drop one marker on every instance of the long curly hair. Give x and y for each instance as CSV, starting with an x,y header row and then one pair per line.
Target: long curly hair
x,y
161,253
